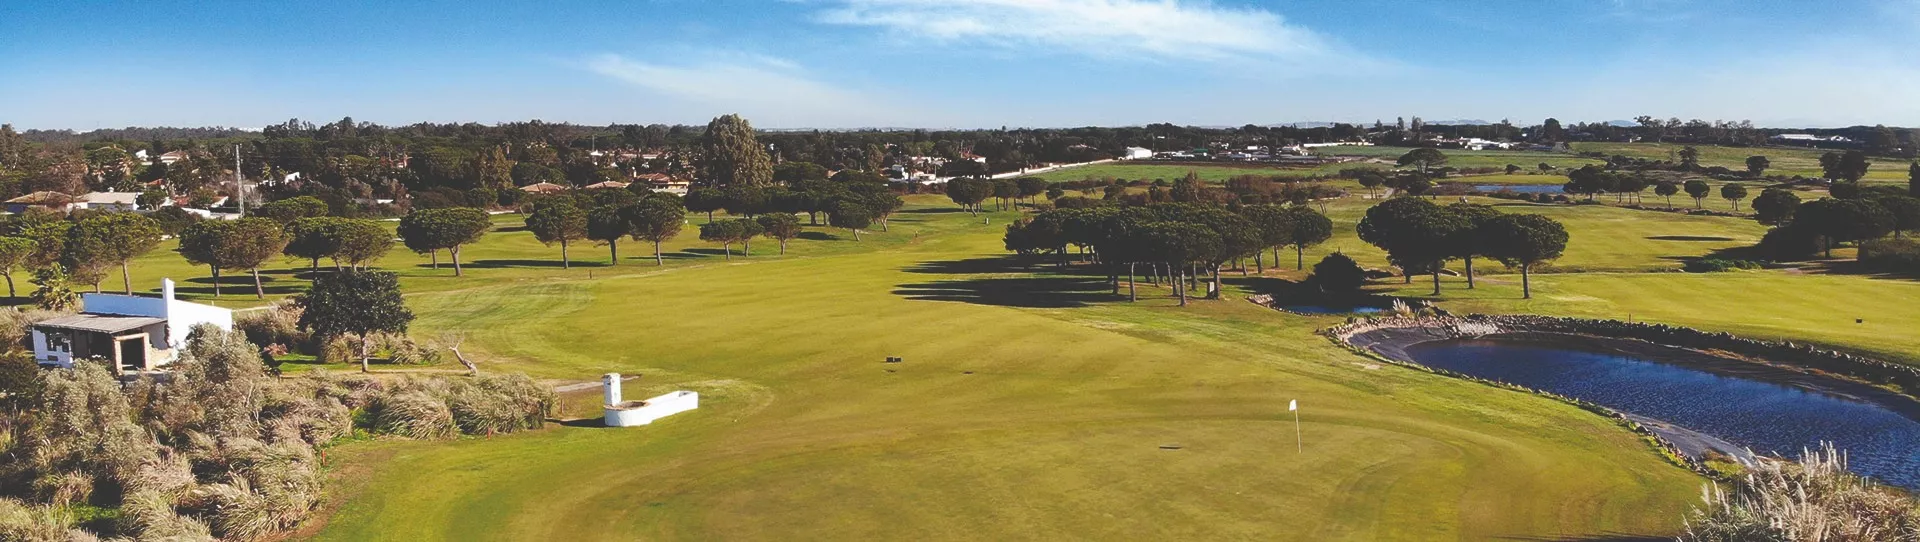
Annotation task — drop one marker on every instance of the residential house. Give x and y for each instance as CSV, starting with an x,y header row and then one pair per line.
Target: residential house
x,y
44,199
1137,153
170,157
662,182
136,333
607,185
543,188
107,201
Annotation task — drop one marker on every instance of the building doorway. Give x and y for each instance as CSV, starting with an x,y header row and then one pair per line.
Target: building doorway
x,y
133,354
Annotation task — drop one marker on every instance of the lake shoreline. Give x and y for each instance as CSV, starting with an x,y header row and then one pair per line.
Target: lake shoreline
x,y
1389,339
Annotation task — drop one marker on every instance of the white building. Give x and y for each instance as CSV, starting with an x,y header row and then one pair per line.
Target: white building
x,y
136,333
107,201
1137,153
622,413
1809,138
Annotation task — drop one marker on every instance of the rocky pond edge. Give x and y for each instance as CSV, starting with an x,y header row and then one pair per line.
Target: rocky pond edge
x,y
1806,366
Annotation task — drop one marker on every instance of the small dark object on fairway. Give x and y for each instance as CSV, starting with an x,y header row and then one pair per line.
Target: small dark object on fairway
x,y
1859,320
966,372
1170,446
892,359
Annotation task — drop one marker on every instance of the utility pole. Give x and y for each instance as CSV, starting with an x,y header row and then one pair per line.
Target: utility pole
x,y
239,181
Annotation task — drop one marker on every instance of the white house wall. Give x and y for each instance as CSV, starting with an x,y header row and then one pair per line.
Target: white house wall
x,y
124,305
182,316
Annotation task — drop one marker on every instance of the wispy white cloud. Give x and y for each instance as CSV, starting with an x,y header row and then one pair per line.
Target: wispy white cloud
x,y
775,92
1160,30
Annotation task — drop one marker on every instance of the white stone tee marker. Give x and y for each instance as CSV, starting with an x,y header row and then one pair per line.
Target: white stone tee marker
x,y
632,413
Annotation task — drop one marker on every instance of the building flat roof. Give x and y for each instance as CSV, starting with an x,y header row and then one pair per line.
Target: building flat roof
x,y
100,323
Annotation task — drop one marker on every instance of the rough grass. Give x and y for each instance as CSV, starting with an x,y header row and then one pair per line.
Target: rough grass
x,y
1032,406
1027,407
1212,173
1460,158
1787,161
1775,304
1604,238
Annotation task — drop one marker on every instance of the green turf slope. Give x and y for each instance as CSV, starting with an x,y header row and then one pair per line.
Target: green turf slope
x,y
1027,408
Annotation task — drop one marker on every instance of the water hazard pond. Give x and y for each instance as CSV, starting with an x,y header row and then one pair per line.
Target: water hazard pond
x,y
1747,404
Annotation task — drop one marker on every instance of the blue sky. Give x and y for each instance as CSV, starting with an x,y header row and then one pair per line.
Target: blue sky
x,y
954,63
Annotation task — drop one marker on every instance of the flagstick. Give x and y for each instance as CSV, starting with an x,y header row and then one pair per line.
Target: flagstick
x,y
1296,432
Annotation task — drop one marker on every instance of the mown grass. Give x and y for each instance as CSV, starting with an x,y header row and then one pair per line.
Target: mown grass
x,y
1034,405
1818,308
1604,238
1787,161
1149,171
1028,407
507,253
1460,158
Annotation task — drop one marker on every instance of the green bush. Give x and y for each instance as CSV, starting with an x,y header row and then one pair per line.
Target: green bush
x,y
1338,273
1891,255
1716,265
1789,244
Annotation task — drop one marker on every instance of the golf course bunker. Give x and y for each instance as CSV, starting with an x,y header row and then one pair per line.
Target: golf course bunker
x,y
1696,401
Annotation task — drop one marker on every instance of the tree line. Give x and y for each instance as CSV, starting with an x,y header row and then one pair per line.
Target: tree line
x,y
1188,242
1180,243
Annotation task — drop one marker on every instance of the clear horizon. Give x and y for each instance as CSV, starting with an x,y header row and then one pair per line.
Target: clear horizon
x,y
848,64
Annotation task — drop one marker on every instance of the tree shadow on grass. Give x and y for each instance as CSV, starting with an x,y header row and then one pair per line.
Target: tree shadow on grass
x,y
1048,265
933,211
233,286
498,264
1855,268
1009,282
818,236
1688,238
1032,292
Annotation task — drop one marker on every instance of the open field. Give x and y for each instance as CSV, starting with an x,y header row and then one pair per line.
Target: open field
x,y
1502,178
1786,305
1461,158
508,253
1605,238
1212,173
1028,407
1034,405
1786,161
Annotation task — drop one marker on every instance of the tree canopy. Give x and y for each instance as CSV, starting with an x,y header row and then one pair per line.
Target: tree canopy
x,y
731,156
428,231
1524,241
557,221
655,220
112,239
357,303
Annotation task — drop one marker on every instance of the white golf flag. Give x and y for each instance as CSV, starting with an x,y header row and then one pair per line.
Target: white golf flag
x,y
1293,405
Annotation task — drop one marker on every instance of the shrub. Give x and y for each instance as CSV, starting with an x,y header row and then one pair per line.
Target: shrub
x,y
15,321
222,449
498,404
1891,255
340,349
34,523
1789,244
276,324
1338,273
1716,265
413,414
403,350
1814,498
